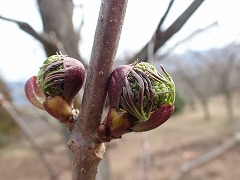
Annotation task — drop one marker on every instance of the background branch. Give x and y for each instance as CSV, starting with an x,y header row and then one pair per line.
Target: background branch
x,y
59,33
58,21
192,35
163,36
163,18
51,46
29,136
206,158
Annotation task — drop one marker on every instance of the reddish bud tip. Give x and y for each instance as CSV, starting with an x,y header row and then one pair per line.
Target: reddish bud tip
x,y
34,93
116,83
156,119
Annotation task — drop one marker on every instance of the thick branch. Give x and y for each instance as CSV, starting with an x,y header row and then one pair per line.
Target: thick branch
x,y
57,18
87,150
28,134
163,36
208,157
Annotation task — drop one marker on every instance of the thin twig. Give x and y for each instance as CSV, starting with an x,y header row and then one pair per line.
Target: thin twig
x,y
145,164
26,27
192,35
163,36
87,150
163,18
186,168
53,46
151,43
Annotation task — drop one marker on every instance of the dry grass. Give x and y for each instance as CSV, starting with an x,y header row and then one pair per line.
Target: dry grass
x,y
182,138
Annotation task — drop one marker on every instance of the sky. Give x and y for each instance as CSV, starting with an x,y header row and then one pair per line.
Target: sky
x,y
21,55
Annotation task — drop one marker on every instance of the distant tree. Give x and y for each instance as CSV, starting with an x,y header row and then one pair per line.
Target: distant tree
x,y
222,64
190,76
8,128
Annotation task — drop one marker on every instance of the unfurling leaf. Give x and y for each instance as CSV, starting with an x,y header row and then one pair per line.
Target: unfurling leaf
x,y
140,99
59,80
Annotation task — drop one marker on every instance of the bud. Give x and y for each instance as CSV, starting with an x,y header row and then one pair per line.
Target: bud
x,y
58,108
61,76
59,80
140,97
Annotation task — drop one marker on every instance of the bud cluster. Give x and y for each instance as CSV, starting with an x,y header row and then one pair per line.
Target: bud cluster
x,y
59,80
140,99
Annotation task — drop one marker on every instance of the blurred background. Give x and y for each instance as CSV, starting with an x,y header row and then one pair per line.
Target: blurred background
x,y
197,41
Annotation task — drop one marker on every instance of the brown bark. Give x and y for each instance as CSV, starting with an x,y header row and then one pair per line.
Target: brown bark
x,y
87,150
57,22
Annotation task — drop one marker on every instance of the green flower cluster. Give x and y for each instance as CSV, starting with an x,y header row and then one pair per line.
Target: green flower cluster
x,y
141,99
159,88
51,76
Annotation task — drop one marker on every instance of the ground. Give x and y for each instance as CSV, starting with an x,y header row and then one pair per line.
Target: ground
x,y
183,138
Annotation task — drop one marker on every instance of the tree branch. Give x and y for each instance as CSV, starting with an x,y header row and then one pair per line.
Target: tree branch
x,y
151,43
157,32
163,36
193,34
51,45
57,18
59,33
211,155
87,150
28,134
